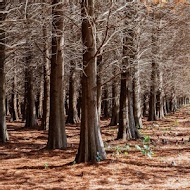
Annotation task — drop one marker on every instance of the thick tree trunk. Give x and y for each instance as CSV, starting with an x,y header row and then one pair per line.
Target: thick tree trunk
x,y
91,147
3,127
72,113
57,134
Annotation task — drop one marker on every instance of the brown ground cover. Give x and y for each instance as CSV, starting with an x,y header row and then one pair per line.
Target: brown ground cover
x,y
26,164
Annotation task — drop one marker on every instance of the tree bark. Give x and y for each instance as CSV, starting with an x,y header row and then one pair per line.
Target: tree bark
x,y
123,109
14,101
129,53
160,102
91,147
31,121
115,103
3,127
106,102
57,134
46,85
72,113
137,100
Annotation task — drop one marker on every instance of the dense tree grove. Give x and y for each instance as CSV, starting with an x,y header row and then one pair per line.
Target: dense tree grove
x,y
67,61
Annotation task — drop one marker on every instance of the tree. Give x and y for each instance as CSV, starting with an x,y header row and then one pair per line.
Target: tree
x,y
57,134
91,147
127,127
3,128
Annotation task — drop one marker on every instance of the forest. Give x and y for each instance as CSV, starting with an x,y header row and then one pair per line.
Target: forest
x,y
94,94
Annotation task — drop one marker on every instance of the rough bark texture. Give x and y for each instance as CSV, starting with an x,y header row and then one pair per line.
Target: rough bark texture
x,y
99,85
123,109
129,52
46,68
91,147
57,135
153,91
115,104
152,99
137,100
106,102
72,113
3,128
31,121
14,101
160,112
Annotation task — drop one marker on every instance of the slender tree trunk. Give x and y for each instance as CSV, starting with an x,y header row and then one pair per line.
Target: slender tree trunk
x,y
3,127
57,134
106,102
155,69
152,98
91,147
132,131
160,102
137,100
31,121
19,106
14,101
41,95
123,109
115,103
145,105
99,85
72,113
129,53
46,85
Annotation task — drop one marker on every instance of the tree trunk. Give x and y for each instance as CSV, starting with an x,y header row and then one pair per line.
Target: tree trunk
x,y
129,53
91,147
115,104
3,127
72,113
57,134
99,85
41,95
46,85
160,102
106,102
14,101
31,121
123,109
137,100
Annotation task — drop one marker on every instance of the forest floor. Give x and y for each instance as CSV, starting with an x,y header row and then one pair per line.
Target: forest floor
x,y
25,164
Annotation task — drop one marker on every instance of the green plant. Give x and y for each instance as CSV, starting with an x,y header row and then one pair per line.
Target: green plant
x,y
98,157
145,149
176,122
46,165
